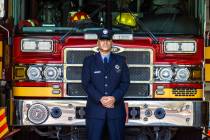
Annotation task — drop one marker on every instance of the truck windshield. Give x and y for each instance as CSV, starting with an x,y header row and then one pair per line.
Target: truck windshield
x,y
159,16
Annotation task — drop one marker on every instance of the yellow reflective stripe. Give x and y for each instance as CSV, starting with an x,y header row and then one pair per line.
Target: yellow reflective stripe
x,y
207,52
2,111
5,131
1,52
4,121
34,92
207,72
11,113
1,48
207,66
169,94
1,70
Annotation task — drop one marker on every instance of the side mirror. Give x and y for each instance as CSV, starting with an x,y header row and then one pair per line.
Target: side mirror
x,y
2,9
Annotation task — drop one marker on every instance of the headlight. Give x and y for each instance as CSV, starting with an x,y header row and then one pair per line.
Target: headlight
x,y
180,47
178,73
36,45
51,73
165,74
45,46
34,73
182,74
37,113
29,45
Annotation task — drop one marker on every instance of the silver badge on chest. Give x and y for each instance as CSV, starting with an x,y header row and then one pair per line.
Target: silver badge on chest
x,y
117,68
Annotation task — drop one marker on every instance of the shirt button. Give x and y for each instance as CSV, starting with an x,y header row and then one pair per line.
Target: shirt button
x,y
105,93
106,85
106,77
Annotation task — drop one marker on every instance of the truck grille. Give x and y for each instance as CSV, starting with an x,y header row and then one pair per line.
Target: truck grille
x,y
138,60
137,73
135,90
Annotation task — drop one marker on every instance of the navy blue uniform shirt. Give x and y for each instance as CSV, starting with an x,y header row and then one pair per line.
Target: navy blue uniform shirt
x,y
99,81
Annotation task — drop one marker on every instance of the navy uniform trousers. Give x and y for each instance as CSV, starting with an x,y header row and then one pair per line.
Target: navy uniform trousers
x,y
99,80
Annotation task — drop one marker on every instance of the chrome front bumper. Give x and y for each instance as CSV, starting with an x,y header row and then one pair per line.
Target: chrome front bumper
x,y
141,113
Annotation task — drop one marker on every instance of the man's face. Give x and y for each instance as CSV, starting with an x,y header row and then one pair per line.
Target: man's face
x,y
104,45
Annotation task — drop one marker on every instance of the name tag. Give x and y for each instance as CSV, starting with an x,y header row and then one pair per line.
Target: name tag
x,y
96,72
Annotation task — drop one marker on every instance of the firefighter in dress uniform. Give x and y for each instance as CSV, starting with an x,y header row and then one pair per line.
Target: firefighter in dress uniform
x,y
105,78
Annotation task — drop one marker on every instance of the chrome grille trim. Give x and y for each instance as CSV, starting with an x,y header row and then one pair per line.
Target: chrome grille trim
x,y
146,53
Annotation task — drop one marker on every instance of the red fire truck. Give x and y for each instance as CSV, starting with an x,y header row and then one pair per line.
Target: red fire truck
x,y
163,42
